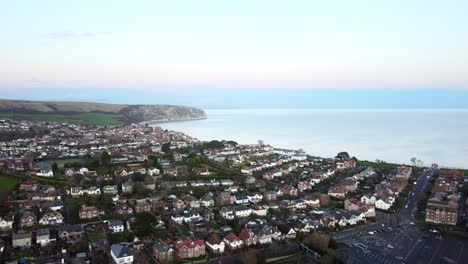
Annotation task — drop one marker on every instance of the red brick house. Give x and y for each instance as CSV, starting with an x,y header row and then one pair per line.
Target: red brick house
x,y
163,252
248,237
189,248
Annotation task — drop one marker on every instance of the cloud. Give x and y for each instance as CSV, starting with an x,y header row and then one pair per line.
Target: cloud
x,y
71,34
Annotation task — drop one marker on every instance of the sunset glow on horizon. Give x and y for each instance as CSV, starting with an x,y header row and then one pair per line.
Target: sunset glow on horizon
x,y
234,45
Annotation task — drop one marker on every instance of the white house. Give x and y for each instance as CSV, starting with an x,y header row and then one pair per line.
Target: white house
x,y
227,213
255,198
153,171
312,202
51,218
232,241
45,172
116,226
121,254
76,191
92,191
384,204
243,211
260,211
43,237
215,244
368,199
6,223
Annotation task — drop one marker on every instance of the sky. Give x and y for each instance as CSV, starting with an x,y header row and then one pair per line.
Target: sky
x,y
245,53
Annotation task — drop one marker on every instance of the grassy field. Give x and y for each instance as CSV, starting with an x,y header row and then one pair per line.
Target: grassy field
x,y
7,183
62,162
374,164
101,119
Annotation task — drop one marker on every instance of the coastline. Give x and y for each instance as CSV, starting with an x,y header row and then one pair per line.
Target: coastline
x,y
164,121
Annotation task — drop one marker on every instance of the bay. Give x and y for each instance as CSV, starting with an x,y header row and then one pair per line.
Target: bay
x,y
394,135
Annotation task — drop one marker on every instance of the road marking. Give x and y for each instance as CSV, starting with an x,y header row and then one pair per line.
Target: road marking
x,y
435,253
415,243
459,254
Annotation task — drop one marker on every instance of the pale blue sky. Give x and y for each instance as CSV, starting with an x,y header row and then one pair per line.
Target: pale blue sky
x,y
167,46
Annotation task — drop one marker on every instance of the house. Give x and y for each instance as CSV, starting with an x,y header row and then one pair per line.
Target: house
x,y
121,254
163,252
76,191
110,189
28,186
190,248
124,210
233,242
115,226
192,201
89,212
6,223
71,233
312,202
441,215
227,182
44,237
207,201
192,217
93,190
259,210
224,198
142,206
178,204
28,219
368,199
127,186
153,171
255,198
214,244
265,235
242,211
338,191
241,198
287,232
202,171
45,172
51,218
270,196
289,190
345,164
248,237
384,203
404,172
324,200
227,213
21,240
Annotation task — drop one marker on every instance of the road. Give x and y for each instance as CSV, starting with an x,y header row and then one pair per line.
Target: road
x,y
407,213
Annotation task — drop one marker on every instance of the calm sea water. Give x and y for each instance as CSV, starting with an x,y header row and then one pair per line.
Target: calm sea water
x,y
395,135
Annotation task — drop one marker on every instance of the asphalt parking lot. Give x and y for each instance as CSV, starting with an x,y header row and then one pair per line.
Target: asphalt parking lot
x,y
405,244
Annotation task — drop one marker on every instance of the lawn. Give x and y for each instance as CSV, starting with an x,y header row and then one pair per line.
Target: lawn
x,y
61,162
8,183
383,165
100,119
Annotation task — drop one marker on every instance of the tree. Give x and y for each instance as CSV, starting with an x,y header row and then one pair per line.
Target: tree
x,y
95,164
54,167
166,148
106,158
342,156
317,241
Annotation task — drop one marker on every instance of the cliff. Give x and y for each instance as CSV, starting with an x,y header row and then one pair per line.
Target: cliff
x,y
126,113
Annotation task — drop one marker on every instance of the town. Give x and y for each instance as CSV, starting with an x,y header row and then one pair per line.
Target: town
x,y
141,194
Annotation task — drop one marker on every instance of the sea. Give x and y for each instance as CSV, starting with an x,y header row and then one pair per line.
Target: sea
x,y
392,135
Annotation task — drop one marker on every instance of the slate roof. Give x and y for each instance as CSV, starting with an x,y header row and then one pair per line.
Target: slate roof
x,y
121,251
